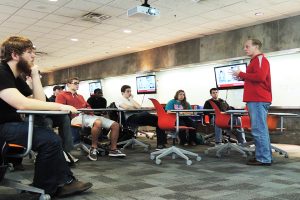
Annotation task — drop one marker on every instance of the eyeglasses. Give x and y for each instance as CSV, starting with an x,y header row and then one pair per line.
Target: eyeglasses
x,y
75,83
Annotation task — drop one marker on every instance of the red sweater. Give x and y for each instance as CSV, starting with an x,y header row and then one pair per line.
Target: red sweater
x,y
257,80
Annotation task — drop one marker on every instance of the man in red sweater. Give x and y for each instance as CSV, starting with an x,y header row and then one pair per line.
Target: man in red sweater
x,y
258,96
96,123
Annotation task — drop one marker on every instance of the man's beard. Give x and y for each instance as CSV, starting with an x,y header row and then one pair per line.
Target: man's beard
x,y
24,67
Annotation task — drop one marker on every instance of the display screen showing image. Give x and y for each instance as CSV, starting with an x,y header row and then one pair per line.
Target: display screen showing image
x,y
93,86
146,84
224,78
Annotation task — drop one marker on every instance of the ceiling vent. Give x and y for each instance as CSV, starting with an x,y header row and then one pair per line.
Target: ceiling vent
x,y
95,17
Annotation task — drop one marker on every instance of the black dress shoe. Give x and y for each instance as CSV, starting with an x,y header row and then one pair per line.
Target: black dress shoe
x,y
257,163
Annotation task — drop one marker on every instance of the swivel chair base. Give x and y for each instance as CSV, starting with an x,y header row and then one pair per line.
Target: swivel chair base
x,y
19,186
133,142
157,155
227,147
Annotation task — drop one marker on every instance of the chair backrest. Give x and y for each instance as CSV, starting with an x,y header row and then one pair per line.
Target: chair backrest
x,y
221,120
166,121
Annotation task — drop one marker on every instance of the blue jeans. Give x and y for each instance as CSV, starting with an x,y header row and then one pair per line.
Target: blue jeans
x,y
240,132
51,169
258,112
63,123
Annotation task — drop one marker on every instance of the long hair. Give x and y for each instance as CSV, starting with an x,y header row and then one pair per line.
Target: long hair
x,y
184,103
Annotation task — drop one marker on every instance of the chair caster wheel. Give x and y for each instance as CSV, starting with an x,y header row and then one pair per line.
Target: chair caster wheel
x,y
280,153
152,157
286,156
198,158
189,162
206,152
157,161
45,197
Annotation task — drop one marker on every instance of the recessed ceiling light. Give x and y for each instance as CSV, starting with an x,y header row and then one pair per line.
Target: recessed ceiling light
x,y
127,31
53,0
128,47
151,41
74,39
259,14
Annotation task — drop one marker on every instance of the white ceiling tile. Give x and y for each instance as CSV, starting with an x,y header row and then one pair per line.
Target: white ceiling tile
x,y
55,3
48,24
83,5
58,18
69,12
39,29
8,9
14,25
72,28
106,27
40,6
30,14
111,11
15,3
83,23
61,32
19,19
217,14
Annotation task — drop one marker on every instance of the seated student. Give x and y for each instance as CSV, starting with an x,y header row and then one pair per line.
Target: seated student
x,y
96,123
179,103
97,101
223,105
56,90
126,102
51,170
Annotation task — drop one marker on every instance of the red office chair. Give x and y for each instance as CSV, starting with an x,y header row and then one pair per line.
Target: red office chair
x,y
222,120
167,121
272,125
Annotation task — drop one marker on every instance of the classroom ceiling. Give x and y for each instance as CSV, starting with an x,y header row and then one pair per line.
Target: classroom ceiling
x,y
52,25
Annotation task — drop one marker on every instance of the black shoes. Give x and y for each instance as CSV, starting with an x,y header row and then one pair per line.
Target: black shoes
x,y
257,163
75,187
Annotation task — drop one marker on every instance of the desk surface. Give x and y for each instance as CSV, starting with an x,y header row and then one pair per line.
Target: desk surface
x,y
284,114
193,110
43,112
236,111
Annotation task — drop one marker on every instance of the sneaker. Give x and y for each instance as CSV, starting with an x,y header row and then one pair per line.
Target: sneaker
x,y
160,147
116,153
75,187
93,154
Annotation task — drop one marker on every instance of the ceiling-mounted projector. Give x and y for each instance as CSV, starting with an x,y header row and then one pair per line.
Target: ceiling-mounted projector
x,y
144,9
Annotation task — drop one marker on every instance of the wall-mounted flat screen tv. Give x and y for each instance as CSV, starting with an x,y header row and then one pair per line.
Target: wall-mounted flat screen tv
x,y
224,78
146,84
93,86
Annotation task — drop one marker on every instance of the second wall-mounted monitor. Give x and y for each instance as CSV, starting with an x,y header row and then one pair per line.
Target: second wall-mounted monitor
x,y
93,86
224,78
146,84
